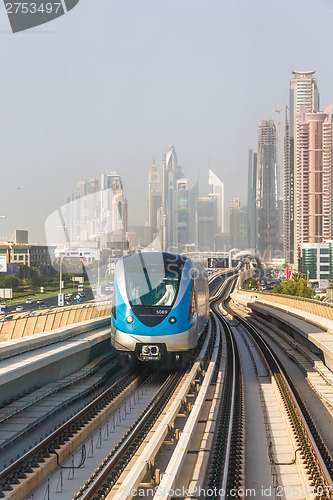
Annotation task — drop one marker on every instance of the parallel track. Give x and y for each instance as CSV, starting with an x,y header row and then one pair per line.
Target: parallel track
x,y
315,454
37,455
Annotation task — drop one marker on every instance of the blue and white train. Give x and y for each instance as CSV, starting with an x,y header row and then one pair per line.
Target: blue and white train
x,y
160,307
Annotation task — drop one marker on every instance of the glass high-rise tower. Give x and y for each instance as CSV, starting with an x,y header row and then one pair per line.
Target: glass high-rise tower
x,y
267,196
216,191
154,202
251,201
169,177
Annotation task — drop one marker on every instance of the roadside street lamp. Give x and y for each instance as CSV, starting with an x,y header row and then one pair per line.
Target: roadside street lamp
x,y
60,273
3,266
61,258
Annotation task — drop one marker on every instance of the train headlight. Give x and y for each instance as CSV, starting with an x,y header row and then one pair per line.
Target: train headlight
x,y
129,319
172,320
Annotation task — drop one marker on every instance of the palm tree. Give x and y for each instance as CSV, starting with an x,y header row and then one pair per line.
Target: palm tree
x,y
296,277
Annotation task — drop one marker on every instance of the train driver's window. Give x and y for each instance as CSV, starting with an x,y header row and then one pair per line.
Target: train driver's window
x,y
135,294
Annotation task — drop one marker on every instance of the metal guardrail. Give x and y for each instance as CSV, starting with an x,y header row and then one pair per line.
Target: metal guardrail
x,y
39,321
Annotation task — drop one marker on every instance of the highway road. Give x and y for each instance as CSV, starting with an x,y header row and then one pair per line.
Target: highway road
x,y
47,302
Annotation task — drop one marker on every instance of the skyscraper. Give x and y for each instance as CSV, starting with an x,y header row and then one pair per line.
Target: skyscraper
x,y
119,216
234,222
288,195
113,208
206,224
110,184
185,219
182,212
97,211
154,201
216,191
82,212
194,195
170,174
314,203
238,225
303,92
251,201
267,190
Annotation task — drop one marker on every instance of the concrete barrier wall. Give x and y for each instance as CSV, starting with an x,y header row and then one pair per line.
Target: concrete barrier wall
x,y
46,320
322,309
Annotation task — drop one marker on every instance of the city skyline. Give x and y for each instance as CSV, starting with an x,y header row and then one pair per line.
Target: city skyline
x,y
97,211
108,87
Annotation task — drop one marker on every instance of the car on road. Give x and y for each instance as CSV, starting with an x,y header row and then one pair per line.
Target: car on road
x,y
29,300
19,308
3,306
40,302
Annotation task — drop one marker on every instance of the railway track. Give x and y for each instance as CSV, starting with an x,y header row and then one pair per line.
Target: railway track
x,y
225,471
51,452
227,476
46,453
191,438
20,477
310,450
135,463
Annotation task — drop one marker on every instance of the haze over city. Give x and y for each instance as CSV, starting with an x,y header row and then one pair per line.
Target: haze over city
x,y
110,85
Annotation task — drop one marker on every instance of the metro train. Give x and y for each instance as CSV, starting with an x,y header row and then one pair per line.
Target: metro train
x,y
160,307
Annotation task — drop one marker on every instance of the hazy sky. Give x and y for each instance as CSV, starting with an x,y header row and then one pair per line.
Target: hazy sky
x,y
110,85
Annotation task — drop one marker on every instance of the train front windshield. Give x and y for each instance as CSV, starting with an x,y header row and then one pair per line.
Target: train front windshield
x,y
152,279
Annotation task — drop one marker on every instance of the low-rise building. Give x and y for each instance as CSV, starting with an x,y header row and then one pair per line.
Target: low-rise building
x,y
35,256
316,263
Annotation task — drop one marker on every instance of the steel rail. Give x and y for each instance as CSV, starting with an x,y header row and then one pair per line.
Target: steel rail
x,y
106,475
226,455
178,457
315,452
138,469
37,454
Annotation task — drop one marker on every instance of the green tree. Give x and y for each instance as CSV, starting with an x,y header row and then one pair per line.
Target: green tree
x,y
296,286
297,277
11,282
